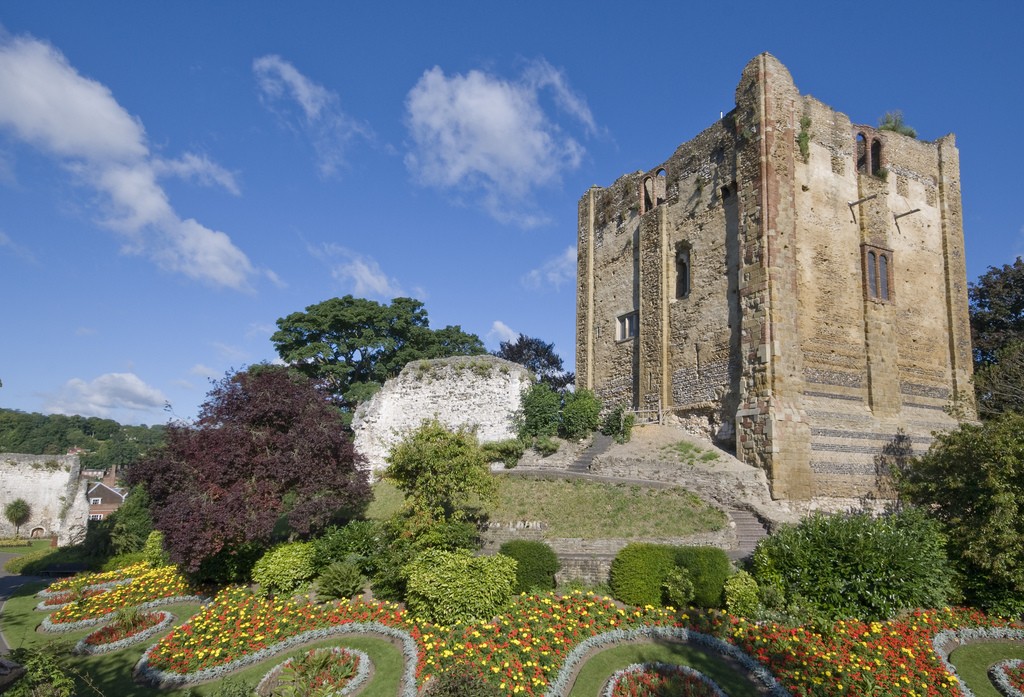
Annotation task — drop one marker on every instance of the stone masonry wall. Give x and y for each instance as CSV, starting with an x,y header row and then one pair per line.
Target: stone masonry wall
x,y
797,287
478,392
53,489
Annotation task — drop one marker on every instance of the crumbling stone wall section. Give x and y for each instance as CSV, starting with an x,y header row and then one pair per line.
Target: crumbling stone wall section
x,y
797,283
477,392
54,490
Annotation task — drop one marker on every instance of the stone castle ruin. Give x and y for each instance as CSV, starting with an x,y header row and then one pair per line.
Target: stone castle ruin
x,y
477,392
54,490
791,281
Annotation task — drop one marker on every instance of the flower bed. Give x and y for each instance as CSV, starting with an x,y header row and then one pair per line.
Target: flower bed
x,y
1008,677
90,579
654,679
114,638
149,588
55,601
304,677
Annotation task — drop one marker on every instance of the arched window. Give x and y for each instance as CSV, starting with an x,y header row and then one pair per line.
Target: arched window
x,y
862,153
876,156
648,195
883,277
878,273
660,186
682,272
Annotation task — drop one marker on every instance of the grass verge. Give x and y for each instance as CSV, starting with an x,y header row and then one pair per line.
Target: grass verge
x,y
596,671
589,510
973,661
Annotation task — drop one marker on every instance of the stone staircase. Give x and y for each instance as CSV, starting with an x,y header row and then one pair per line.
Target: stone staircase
x,y
584,460
749,531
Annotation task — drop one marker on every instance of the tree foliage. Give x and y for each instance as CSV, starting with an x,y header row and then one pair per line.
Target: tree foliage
x,y
439,471
999,385
17,512
997,310
132,523
538,357
106,442
856,565
266,444
349,346
972,480
456,586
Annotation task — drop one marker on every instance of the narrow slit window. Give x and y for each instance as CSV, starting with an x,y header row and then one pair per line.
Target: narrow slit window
x,y
683,272
876,156
627,326
862,154
878,271
872,275
883,277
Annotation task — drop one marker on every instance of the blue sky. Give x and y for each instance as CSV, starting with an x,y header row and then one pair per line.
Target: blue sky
x,y
176,176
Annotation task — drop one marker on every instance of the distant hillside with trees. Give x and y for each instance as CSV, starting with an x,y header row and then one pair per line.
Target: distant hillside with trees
x,y
106,442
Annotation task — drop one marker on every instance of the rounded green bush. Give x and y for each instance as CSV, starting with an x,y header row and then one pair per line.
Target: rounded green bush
x,y
856,565
742,597
638,572
286,567
536,564
454,586
581,414
362,539
678,588
708,567
341,579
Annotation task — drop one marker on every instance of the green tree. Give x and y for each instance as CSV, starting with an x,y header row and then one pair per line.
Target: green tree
x,y
17,512
538,357
999,385
349,346
997,310
440,471
972,480
132,523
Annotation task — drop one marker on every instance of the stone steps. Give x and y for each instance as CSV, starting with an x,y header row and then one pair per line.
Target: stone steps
x,y
749,531
598,446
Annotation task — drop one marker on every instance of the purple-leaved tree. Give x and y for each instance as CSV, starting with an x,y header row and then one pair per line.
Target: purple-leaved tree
x,y
267,448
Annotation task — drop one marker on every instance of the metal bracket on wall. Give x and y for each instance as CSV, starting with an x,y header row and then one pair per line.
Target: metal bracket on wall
x,y
896,217
859,201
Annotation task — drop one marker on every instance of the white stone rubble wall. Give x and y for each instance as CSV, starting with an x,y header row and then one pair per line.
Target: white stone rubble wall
x,y
53,489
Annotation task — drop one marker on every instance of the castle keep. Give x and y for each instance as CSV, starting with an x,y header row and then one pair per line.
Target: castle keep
x,y
789,280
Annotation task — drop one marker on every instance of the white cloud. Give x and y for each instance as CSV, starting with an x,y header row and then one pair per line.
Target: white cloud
x,y
484,137
361,274
329,129
554,272
45,102
231,353
18,250
200,169
202,371
85,331
109,395
501,332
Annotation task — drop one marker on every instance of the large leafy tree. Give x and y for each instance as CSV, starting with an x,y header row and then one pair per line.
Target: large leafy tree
x,y
972,480
17,513
349,346
997,310
267,449
539,357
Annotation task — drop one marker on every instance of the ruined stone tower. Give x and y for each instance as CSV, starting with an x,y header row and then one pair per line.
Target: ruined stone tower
x,y
793,282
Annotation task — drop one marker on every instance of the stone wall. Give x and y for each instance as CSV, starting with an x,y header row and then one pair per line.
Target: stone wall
x,y
479,392
795,285
53,489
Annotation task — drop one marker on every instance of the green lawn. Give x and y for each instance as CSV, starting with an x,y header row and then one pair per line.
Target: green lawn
x,y
973,661
596,672
589,510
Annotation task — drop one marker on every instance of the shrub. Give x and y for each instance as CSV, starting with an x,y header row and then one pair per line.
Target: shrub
x,y
545,446
285,567
44,676
855,565
677,588
709,567
536,565
153,551
462,681
741,595
539,414
638,572
448,587
360,541
505,451
618,424
341,579
581,414
119,561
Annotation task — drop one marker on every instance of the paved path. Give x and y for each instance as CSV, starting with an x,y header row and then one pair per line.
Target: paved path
x,y
8,584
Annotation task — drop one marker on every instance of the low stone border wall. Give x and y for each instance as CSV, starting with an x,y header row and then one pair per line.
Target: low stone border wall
x,y
82,648
947,641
